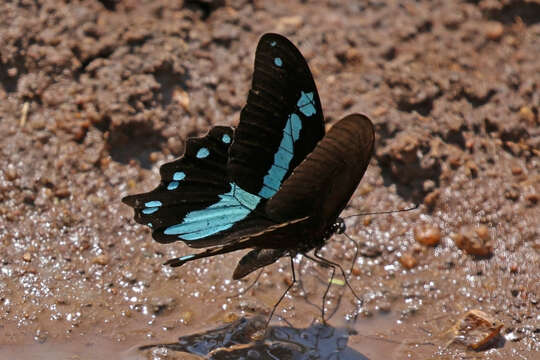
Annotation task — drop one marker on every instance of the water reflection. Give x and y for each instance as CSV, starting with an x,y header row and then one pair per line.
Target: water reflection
x,y
236,341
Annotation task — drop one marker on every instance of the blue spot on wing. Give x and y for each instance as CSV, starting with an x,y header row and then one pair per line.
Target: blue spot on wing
x,y
153,204
172,185
305,104
179,175
202,153
232,207
278,61
273,43
226,139
150,210
151,207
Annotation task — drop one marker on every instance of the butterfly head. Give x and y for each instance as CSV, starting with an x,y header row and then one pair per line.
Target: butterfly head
x,y
337,227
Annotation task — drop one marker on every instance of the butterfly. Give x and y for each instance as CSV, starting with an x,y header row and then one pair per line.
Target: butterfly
x,y
275,184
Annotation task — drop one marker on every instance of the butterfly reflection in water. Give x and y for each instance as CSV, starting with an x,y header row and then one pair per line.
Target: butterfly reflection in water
x,y
275,184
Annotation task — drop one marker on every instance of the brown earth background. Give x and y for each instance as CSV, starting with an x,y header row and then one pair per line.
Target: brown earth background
x,y
94,96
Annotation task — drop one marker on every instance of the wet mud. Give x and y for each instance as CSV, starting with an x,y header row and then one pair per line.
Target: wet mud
x,y
95,95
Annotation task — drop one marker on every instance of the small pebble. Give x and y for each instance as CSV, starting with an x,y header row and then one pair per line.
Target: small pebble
x,y
473,244
494,30
431,199
532,199
101,260
516,170
230,317
186,317
427,234
27,257
525,113
475,329
182,98
408,261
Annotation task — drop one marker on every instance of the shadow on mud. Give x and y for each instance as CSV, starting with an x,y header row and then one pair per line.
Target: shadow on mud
x,y
235,341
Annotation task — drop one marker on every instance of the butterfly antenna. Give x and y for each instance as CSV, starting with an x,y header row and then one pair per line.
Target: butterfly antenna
x,y
283,295
383,212
240,293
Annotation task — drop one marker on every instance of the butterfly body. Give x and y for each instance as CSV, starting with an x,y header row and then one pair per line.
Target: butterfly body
x,y
274,184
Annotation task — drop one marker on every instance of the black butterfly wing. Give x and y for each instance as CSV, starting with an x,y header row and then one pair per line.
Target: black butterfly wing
x,y
195,200
210,196
322,185
281,122
309,201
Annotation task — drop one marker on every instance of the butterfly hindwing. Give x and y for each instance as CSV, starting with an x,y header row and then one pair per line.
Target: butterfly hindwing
x,y
281,122
191,201
322,185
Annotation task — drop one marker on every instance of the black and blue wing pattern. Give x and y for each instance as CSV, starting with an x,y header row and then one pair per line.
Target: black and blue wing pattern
x,y
281,122
211,195
197,182
309,201
274,184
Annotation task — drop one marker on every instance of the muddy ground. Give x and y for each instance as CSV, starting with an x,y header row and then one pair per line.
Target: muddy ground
x,y
94,96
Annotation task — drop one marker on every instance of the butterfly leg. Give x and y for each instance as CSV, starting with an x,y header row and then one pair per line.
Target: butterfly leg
x,y
283,295
325,262
356,250
330,263
333,267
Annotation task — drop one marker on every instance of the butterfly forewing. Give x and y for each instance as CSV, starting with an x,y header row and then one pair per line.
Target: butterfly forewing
x,y
281,122
190,184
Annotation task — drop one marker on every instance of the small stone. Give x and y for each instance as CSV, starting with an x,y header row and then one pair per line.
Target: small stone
x,y
475,329
12,72
367,221
101,260
513,268
154,156
516,170
494,30
62,193
186,317
27,257
431,199
483,232
287,280
408,261
10,173
427,234
526,114
532,199
182,98
290,22
473,244
230,317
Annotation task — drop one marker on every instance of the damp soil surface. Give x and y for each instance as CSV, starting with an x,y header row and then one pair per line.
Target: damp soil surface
x,y
96,95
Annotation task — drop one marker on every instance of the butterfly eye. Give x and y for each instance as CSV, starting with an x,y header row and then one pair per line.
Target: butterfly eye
x,y
202,153
278,61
